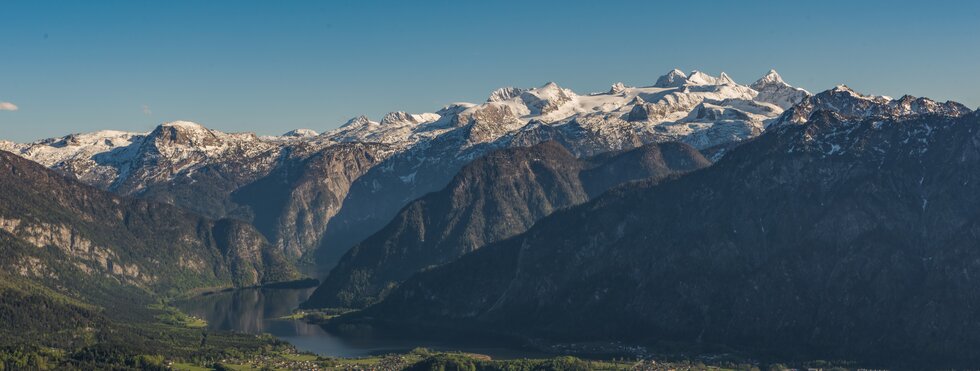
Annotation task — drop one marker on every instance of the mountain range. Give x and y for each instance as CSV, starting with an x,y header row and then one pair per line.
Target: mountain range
x,y
373,169
694,213
848,229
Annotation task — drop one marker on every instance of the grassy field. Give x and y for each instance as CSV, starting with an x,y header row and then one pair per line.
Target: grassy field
x,y
316,316
174,316
423,360
189,367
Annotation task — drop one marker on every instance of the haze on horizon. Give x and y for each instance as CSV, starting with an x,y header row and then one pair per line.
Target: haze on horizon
x,y
272,67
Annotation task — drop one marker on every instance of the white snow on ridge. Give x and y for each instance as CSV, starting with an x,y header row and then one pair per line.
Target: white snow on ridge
x,y
508,110
698,108
51,151
301,133
183,124
773,89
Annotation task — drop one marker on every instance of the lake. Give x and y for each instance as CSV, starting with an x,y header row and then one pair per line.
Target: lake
x,y
256,311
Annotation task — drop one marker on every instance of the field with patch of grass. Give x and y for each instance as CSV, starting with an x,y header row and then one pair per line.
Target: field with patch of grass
x,y
173,316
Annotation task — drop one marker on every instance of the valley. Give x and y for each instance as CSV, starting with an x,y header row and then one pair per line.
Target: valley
x,y
489,185
653,227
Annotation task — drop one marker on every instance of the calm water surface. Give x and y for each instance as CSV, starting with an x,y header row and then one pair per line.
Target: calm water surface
x,y
257,311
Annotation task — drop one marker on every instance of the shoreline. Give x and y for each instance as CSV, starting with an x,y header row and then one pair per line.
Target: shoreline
x,y
302,283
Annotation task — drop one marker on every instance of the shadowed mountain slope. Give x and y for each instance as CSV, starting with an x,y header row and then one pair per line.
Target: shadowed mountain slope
x,y
847,234
495,197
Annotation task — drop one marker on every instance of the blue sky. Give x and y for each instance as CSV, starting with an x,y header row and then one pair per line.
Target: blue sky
x,y
272,66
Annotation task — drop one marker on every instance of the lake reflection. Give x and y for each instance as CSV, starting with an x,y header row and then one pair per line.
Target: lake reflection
x,y
257,311
252,311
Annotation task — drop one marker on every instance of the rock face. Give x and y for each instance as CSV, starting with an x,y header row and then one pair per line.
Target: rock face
x,y
405,156
144,244
294,202
833,237
216,174
492,198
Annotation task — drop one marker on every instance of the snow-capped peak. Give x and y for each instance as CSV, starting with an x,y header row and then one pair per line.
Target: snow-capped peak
x,y
179,138
403,118
185,133
672,79
506,93
724,79
617,88
680,107
548,90
357,121
844,89
772,77
772,89
701,78
847,91
454,108
300,133
183,125
546,99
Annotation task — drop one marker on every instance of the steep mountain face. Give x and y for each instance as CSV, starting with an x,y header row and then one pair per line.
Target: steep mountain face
x,y
217,174
492,198
374,198
38,307
90,318
841,236
404,156
137,243
705,111
294,202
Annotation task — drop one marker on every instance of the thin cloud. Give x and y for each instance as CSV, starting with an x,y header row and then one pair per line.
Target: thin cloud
x,y
146,110
7,106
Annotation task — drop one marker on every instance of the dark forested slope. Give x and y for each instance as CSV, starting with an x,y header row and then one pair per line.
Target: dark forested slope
x,y
495,197
847,235
143,244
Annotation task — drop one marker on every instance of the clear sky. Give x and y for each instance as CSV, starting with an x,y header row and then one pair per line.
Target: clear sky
x,y
272,66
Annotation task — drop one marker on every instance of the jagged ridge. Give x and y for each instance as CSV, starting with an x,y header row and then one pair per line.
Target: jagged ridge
x,y
190,166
